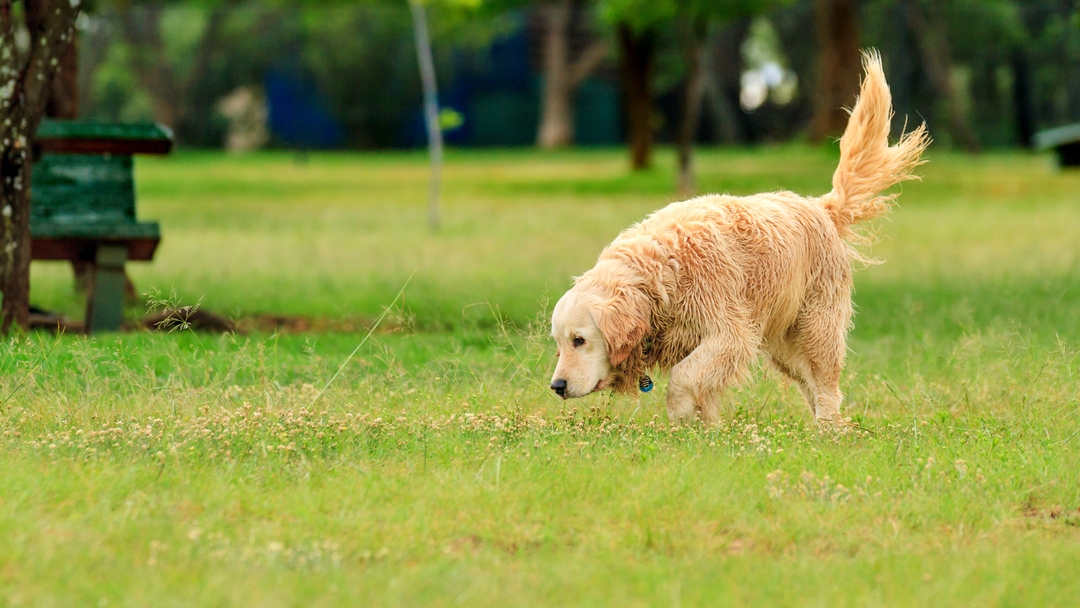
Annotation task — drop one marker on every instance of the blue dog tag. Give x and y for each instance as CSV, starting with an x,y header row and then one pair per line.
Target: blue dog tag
x,y
645,384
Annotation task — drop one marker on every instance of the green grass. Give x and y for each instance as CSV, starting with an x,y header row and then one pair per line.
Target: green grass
x,y
191,469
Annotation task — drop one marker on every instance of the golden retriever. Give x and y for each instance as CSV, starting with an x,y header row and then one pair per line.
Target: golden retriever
x,y
701,287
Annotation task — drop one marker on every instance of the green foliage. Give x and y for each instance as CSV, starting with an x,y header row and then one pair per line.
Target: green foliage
x,y
643,15
116,94
640,15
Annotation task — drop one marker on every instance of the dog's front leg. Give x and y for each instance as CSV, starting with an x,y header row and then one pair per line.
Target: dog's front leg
x,y
698,380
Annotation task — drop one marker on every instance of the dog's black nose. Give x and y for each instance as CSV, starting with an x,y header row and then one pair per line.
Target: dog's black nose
x,y
559,386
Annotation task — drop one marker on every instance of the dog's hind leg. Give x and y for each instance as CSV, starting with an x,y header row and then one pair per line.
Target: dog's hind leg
x,y
823,341
795,368
698,380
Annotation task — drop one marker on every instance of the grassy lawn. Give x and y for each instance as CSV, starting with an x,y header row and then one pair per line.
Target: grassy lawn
x,y
436,468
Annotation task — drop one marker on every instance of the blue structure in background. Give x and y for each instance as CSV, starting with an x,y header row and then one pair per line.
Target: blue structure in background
x,y
298,116
498,95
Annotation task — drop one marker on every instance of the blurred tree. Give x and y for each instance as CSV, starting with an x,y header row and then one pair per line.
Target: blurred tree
x,y
563,72
1045,62
692,25
927,25
638,25
722,66
431,108
989,71
63,101
694,18
636,50
171,84
34,37
790,23
839,65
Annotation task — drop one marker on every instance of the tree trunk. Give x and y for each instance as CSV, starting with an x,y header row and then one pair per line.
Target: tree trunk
x,y
63,103
24,92
562,76
431,109
15,237
933,45
721,74
636,66
691,34
801,50
556,118
839,66
1024,109
64,92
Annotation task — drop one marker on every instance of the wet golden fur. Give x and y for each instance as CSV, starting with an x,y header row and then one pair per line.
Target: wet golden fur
x,y
702,287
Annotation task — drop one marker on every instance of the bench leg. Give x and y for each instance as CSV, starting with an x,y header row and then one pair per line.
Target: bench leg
x,y
84,270
105,300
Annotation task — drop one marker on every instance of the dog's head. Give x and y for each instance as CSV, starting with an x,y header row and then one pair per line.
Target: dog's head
x,y
596,333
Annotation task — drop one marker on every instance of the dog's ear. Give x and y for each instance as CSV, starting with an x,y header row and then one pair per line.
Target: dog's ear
x,y
624,321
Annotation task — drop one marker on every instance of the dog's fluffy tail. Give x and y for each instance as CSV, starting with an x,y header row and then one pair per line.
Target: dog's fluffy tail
x,y
868,164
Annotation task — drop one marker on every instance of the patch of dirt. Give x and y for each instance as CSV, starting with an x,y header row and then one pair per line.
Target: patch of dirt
x,y
201,320
53,321
188,317
738,546
297,324
1053,513
463,545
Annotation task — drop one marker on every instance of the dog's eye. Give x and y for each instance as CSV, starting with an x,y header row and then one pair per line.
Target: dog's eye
x,y
579,341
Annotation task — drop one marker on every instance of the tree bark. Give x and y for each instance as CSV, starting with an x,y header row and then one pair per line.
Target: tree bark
x,y
562,76
932,43
64,92
636,67
691,34
839,66
24,92
15,236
